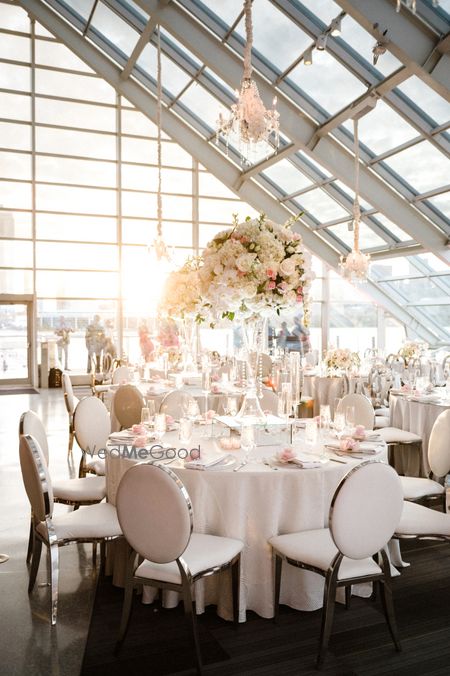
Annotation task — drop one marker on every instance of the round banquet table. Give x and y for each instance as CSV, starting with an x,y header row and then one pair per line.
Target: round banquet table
x,y
326,389
252,504
414,415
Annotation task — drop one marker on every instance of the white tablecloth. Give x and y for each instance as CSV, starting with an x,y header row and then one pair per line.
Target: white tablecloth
x,y
253,505
417,417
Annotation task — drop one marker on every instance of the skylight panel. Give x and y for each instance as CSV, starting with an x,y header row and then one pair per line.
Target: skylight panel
x,y
367,237
426,98
362,42
174,79
382,129
423,166
321,206
287,177
114,29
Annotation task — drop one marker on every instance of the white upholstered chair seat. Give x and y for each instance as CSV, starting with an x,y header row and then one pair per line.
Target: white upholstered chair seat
x,y
94,521
316,548
382,411
381,421
80,490
96,465
420,521
415,488
394,435
202,553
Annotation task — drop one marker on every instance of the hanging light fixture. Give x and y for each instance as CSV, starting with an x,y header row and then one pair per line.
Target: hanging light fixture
x,y
159,245
412,5
356,265
249,118
308,57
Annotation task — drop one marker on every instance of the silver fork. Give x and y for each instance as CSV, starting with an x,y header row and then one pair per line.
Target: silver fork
x,y
238,467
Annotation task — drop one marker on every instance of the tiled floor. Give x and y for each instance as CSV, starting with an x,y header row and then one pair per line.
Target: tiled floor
x,y
28,644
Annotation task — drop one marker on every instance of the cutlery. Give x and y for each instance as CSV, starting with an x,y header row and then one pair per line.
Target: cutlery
x,y
266,462
238,467
341,462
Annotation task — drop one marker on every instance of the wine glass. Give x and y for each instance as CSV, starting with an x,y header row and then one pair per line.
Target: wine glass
x,y
185,430
325,417
247,439
160,427
145,416
350,418
339,424
231,406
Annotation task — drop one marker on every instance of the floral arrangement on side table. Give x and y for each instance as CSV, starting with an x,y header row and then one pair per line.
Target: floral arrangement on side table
x,y
255,268
341,359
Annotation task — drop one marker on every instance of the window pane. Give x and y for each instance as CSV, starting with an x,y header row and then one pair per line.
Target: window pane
x,y
70,114
321,206
73,86
210,186
15,224
173,77
145,178
15,195
382,129
16,281
16,254
15,77
76,284
75,200
15,106
14,18
139,150
82,228
139,204
441,202
15,47
362,42
367,237
134,122
17,136
423,166
203,104
62,170
433,104
119,33
135,231
51,53
221,211
424,288
76,256
15,165
81,143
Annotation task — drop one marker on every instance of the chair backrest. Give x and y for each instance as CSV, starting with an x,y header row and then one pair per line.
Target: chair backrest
x,y
36,477
107,364
155,512
366,509
439,445
92,424
121,373
269,401
69,398
364,411
176,404
128,403
30,423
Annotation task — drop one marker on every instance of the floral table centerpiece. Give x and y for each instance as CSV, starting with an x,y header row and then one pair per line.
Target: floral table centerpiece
x,y
181,299
250,271
412,349
341,360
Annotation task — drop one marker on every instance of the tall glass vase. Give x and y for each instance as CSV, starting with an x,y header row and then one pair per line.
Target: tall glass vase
x,y
253,336
189,328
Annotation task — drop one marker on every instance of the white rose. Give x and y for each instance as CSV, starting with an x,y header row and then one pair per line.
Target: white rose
x,y
245,262
287,267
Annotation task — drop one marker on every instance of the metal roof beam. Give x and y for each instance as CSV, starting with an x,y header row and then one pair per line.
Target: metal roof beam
x,y
409,40
139,46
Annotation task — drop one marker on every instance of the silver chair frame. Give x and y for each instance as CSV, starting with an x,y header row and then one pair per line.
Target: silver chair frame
x,y
51,542
332,584
185,588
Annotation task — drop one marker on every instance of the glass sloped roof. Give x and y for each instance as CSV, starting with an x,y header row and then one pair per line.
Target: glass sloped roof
x,y
404,140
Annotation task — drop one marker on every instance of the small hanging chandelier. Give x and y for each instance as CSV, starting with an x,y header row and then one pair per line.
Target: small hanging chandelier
x,y
159,245
356,265
249,119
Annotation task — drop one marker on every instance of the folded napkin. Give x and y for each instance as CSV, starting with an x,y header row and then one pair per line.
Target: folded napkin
x,y
216,464
123,435
362,447
302,461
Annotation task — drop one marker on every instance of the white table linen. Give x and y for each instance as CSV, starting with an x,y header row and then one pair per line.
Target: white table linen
x,y
253,505
417,417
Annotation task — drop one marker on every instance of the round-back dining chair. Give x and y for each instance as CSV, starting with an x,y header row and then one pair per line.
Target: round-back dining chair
x,y
71,402
365,511
92,426
156,517
121,373
364,411
176,404
128,404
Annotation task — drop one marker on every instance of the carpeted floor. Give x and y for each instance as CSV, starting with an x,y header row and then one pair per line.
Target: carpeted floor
x,y
19,390
157,641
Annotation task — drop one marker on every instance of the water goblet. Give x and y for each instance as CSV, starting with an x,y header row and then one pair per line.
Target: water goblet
x,y
160,427
247,439
325,418
185,430
339,424
145,416
350,419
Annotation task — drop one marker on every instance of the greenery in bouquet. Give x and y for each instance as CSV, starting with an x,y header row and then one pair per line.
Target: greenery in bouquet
x,y
255,268
412,349
341,359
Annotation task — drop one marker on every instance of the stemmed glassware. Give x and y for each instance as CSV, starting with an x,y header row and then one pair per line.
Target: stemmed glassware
x,y
160,426
231,406
325,419
148,414
339,424
247,439
185,430
350,419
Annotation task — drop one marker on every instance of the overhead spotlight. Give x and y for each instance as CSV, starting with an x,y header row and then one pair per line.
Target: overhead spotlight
x,y
379,48
308,57
322,42
335,26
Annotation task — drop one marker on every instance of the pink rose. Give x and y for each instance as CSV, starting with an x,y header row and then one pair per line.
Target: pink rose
x,y
209,415
360,432
169,420
287,454
295,236
140,442
138,429
270,272
349,444
271,285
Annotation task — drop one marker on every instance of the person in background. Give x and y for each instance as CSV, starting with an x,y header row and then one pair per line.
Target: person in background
x,y
109,347
63,333
95,342
283,336
146,343
303,343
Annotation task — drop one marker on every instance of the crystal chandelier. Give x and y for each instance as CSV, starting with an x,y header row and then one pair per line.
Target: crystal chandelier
x,y
356,265
249,119
159,246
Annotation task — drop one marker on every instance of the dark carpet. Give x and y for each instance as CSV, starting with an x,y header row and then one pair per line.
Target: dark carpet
x,y
19,390
158,643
